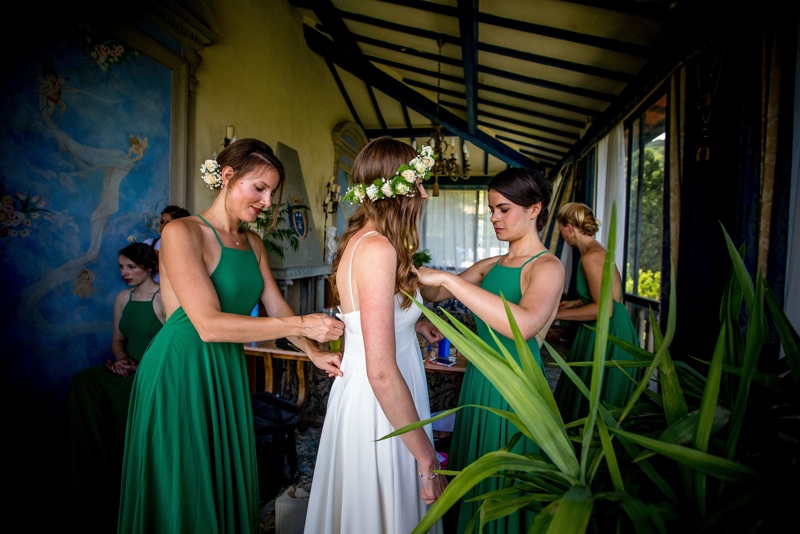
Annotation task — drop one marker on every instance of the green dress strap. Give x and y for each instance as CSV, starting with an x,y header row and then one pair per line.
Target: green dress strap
x,y
246,237
212,229
533,258
130,295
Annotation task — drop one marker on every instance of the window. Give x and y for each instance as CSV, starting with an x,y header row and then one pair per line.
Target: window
x,y
457,231
645,144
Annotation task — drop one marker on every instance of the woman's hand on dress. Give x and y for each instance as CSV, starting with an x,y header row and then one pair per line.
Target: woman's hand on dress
x,y
330,362
433,489
321,327
122,367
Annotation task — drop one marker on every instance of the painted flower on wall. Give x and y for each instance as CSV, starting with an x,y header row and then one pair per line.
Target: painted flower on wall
x,y
104,52
18,213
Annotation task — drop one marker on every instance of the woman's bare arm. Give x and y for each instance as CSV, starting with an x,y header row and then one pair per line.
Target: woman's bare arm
x,y
189,254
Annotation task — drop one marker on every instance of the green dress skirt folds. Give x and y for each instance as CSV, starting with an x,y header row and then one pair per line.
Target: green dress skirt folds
x,y
476,431
190,462
97,411
617,387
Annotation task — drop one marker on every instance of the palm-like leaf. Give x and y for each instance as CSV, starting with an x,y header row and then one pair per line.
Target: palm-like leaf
x,y
688,434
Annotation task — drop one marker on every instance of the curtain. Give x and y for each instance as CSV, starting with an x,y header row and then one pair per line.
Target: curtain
x,y
792,304
612,188
563,187
456,230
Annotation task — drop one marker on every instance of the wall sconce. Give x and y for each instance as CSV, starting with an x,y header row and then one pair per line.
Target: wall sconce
x,y
331,203
230,135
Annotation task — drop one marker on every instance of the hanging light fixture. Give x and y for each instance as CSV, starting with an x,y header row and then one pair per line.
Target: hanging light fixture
x,y
446,165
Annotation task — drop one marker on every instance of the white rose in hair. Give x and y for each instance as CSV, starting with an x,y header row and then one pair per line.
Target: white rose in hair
x,y
409,175
372,192
386,189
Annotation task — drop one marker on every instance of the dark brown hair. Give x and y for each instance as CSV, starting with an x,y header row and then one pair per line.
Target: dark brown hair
x,y
396,218
525,187
176,212
142,255
246,155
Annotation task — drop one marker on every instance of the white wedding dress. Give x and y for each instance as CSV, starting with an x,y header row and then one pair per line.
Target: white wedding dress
x,y
362,485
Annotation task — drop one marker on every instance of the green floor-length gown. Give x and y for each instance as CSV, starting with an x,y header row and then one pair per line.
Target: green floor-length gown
x,y
617,387
190,462
476,431
97,411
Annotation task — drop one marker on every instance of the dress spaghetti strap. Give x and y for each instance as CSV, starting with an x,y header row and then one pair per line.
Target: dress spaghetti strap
x,y
213,230
246,237
533,258
350,273
130,295
526,261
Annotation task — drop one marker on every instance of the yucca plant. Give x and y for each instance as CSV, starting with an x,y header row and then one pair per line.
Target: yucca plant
x,y
275,239
695,456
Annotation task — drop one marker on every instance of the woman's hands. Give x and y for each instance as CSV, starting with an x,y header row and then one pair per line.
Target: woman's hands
x,y
330,362
569,304
321,327
430,277
122,367
432,488
426,329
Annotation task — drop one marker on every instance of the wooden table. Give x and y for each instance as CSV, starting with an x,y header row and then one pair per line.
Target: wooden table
x,y
458,368
266,352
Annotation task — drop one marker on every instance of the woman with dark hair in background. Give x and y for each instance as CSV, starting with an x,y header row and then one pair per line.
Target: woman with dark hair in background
x,y
190,459
531,279
168,214
98,397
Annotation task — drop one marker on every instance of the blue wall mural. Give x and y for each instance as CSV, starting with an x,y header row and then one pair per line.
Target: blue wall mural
x,y
85,146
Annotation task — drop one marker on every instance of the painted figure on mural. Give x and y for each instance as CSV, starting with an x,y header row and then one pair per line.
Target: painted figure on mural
x,y
50,94
83,285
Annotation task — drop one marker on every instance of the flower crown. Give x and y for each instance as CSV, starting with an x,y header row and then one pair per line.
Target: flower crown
x,y
402,183
211,174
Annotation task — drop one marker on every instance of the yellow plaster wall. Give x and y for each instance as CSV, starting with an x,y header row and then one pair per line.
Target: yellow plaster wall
x,y
262,78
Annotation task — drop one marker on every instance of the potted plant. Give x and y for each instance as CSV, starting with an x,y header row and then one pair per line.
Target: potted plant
x,y
421,257
714,451
276,237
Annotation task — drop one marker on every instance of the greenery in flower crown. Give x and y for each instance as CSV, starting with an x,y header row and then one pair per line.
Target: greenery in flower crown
x,y
402,183
211,173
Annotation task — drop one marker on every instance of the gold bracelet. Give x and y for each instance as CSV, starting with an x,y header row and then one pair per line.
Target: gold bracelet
x,y
433,475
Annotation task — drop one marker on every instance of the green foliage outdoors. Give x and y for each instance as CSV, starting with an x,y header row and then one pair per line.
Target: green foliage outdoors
x,y
712,451
645,221
282,235
649,284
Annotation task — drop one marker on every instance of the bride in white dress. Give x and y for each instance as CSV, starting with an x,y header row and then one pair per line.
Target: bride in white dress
x,y
360,484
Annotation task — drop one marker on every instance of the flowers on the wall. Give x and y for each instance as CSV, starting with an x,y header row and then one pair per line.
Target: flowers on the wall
x,y
104,52
19,212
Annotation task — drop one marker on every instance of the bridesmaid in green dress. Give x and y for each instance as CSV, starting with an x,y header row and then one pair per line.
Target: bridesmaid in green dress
x,y
532,280
190,461
98,397
578,227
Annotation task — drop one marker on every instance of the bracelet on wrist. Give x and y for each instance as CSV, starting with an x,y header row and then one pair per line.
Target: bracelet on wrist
x,y
433,474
